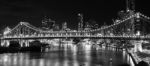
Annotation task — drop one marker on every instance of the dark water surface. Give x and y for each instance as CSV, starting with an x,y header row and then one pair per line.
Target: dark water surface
x,y
68,55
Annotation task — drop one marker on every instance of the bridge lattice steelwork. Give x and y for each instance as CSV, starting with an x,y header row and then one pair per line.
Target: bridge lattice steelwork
x,y
129,27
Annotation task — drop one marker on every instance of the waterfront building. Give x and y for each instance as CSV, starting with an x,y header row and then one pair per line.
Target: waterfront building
x,y
64,26
87,26
56,27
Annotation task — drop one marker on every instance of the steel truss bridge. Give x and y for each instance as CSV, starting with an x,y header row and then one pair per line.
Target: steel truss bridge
x,y
136,26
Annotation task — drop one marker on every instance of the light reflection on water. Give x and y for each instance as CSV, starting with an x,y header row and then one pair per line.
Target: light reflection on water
x,y
67,55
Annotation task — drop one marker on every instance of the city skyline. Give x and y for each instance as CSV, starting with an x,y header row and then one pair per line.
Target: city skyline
x,y
12,12
74,33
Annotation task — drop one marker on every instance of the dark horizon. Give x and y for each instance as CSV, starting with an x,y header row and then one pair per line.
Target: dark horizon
x,y
12,12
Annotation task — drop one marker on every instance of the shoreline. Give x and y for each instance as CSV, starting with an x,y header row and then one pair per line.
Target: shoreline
x,y
137,60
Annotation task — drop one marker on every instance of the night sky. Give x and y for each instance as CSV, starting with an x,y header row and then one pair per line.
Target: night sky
x,y
33,11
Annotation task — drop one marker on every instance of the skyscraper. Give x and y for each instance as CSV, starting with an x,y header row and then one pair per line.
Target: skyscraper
x,y
80,24
48,23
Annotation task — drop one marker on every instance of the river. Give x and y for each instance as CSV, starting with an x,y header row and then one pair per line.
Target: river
x,y
68,55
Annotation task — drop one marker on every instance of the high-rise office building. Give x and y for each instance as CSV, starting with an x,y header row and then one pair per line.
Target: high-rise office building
x,y
47,23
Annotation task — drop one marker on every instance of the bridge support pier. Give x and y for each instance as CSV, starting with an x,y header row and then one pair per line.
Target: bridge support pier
x,y
5,43
24,43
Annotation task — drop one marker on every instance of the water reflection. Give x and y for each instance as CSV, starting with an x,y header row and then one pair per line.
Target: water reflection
x,y
67,55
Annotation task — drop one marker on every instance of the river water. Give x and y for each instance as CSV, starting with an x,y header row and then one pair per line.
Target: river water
x,y
68,55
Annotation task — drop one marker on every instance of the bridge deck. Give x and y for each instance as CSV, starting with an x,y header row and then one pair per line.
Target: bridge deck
x,y
93,37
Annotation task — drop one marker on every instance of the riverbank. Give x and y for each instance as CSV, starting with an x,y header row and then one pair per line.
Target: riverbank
x,y
133,56
137,59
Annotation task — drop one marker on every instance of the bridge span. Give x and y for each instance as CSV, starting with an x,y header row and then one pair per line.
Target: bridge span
x,y
84,37
135,26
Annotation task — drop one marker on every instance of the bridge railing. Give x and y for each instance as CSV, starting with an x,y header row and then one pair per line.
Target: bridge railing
x,y
74,35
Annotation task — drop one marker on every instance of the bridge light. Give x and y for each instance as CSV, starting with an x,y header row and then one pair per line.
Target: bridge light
x,y
138,33
138,15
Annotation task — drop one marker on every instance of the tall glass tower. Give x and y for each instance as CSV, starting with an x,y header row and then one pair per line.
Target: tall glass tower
x,y
80,24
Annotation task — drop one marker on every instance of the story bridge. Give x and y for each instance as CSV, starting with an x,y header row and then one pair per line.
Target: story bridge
x,y
135,26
